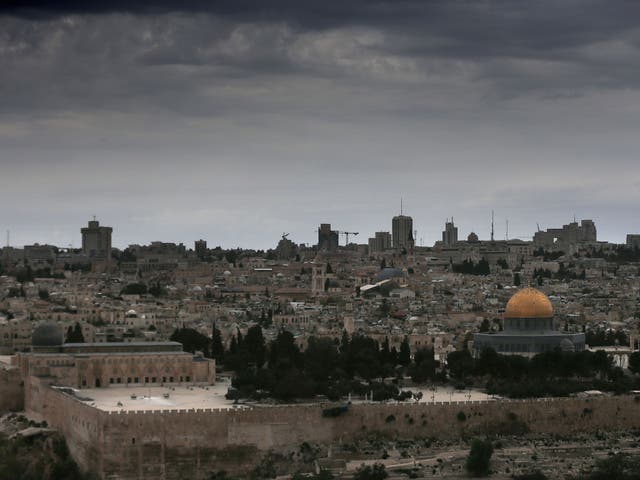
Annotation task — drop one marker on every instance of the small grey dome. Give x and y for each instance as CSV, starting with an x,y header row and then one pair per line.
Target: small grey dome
x,y
47,335
388,273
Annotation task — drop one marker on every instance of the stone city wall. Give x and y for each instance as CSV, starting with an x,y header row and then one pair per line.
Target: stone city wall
x,y
81,424
11,390
193,443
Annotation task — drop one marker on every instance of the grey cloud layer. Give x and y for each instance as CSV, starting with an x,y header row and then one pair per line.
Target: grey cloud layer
x,y
257,103
185,56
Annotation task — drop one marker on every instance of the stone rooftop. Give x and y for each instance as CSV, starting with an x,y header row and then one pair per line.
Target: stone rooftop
x,y
114,399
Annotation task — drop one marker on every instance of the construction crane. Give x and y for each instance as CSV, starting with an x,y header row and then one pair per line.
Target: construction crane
x,y
346,234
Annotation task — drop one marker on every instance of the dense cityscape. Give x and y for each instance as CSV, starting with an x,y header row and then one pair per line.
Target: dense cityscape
x,y
384,321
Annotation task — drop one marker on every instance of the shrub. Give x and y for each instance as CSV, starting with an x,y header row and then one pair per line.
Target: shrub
x,y
537,475
479,458
368,472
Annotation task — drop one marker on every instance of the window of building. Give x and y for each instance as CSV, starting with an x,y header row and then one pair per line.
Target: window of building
x,y
146,379
128,379
118,380
111,380
135,380
153,379
188,378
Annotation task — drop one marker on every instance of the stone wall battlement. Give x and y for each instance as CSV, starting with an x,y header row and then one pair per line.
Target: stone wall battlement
x,y
370,406
188,443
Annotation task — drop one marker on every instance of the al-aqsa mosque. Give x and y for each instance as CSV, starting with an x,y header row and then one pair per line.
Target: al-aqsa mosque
x,y
528,328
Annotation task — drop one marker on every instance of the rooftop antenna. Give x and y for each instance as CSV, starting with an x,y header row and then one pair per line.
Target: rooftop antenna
x,y
8,237
507,233
492,225
400,206
94,218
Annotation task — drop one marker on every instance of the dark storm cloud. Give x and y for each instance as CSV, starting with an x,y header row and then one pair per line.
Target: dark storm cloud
x,y
507,47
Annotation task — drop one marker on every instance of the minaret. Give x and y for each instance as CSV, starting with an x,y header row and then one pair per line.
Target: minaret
x,y
492,225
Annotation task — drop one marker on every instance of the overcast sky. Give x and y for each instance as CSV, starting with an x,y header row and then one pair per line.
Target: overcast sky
x,y
235,121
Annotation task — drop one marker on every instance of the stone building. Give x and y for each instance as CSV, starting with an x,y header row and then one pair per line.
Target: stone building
x,y
633,240
450,234
95,365
528,328
327,239
96,241
15,335
568,236
402,232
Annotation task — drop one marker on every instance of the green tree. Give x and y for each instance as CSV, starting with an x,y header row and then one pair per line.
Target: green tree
x,y
618,467
634,362
536,475
485,326
284,349
192,340
362,358
217,347
156,290
479,458
384,308
231,256
368,472
321,358
404,357
460,364
134,289
254,345
424,366
74,334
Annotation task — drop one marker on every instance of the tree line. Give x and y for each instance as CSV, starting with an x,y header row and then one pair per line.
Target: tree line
x,y
553,373
334,368
356,364
360,365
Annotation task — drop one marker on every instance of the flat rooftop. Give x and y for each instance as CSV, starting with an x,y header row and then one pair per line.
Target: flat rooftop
x,y
5,360
440,393
115,399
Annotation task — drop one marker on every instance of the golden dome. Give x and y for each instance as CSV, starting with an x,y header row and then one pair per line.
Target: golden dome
x,y
529,303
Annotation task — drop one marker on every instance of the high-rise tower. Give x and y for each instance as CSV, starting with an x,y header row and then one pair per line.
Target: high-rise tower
x,y
450,234
402,230
96,241
327,238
